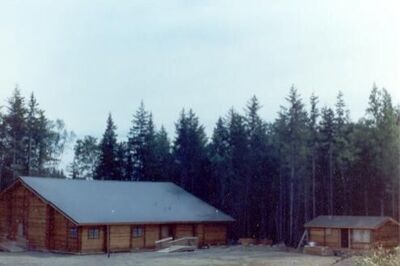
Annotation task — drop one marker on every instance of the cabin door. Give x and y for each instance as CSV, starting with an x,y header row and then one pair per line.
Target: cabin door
x,y
344,238
166,231
20,230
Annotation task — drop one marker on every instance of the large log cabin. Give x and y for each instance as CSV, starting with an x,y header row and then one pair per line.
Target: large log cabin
x,y
78,216
353,232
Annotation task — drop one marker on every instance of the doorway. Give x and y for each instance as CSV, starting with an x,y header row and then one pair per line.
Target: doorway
x,y
344,238
166,231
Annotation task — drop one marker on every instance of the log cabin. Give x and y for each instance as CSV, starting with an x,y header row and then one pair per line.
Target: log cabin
x,y
353,232
79,216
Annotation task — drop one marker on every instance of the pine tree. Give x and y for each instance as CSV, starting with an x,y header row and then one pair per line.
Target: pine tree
x,y
221,172
295,153
189,151
343,153
163,156
239,151
326,149
15,119
141,143
313,147
31,145
107,168
257,181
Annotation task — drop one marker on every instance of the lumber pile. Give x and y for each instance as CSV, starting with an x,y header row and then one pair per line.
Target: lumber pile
x,y
168,245
177,248
183,241
163,243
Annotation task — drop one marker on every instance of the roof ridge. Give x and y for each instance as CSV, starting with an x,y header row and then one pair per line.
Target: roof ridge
x,y
94,180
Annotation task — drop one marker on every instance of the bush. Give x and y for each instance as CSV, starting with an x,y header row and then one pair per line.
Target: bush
x,y
381,257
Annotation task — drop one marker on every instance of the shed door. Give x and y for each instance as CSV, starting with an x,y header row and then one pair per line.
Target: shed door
x,y
344,238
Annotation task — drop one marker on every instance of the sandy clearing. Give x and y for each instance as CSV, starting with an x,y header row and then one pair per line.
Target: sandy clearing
x,y
234,255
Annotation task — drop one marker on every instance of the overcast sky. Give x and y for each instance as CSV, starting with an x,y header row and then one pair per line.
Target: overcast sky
x,y
84,59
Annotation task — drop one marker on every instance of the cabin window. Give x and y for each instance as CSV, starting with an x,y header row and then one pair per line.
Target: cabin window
x,y
137,231
328,231
93,233
361,236
73,232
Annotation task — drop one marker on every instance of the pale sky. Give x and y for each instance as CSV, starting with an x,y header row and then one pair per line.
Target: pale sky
x,y
84,59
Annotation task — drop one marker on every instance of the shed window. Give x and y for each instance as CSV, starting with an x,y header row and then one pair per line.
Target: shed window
x,y
93,233
361,236
328,231
137,231
73,232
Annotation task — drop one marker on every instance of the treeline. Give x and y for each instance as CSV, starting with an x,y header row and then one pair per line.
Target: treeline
x,y
30,143
270,176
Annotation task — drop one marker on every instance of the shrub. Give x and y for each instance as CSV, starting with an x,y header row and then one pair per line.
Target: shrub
x,y
381,257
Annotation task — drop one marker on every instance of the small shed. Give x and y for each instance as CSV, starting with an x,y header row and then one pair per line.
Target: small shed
x,y
353,232
79,216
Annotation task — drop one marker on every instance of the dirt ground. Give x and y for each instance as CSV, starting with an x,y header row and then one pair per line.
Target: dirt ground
x,y
233,255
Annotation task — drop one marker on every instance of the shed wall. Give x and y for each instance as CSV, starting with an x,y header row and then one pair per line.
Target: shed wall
x,y
387,235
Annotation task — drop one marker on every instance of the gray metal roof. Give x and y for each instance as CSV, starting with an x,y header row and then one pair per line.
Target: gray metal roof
x,y
362,222
113,202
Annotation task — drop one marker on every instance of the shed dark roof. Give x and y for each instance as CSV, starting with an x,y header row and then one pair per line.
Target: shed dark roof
x,y
362,222
114,202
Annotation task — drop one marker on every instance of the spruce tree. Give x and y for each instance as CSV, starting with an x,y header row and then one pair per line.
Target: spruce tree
x,y
190,153
313,147
107,168
141,143
163,156
326,151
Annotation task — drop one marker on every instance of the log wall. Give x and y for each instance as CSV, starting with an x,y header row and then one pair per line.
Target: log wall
x,y
215,234
330,237
387,235
138,242
182,230
93,245
200,233
120,237
24,214
152,234
4,215
333,238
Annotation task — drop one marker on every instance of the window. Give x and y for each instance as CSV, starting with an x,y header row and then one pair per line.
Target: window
x,y
361,236
328,231
93,233
137,231
73,232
